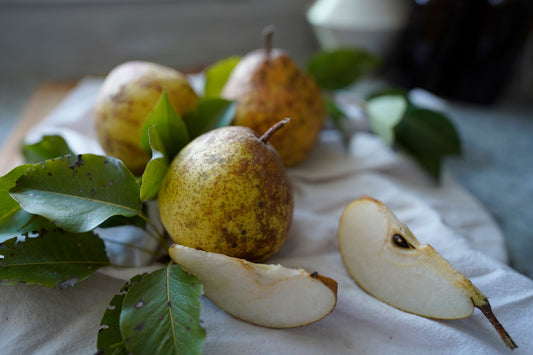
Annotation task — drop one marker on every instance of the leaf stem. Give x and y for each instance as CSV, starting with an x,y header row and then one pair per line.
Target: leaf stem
x,y
156,235
133,246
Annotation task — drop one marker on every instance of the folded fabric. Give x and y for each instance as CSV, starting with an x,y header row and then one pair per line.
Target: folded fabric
x,y
51,321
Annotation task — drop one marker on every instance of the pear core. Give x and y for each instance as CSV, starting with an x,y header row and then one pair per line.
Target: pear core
x,y
228,192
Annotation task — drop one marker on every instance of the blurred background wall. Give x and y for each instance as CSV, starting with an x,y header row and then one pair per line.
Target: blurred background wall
x,y
68,39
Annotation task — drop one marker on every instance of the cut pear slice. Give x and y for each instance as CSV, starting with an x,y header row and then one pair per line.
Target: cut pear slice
x,y
267,295
388,262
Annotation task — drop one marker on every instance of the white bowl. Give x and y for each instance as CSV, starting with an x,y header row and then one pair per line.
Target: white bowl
x,y
372,25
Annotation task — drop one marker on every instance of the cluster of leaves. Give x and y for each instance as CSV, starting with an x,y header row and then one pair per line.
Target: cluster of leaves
x,y
51,207
60,246
425,134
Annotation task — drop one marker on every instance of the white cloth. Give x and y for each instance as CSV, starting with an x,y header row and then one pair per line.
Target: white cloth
x,y
41,320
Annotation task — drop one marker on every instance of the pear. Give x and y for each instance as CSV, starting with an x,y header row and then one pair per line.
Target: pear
x,y
267,295
227,192
126,98
383,256
268,84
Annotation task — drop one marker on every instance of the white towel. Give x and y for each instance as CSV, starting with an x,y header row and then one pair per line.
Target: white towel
x,y
41,320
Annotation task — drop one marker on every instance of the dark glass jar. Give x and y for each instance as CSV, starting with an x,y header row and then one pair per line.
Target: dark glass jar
x,y
462,49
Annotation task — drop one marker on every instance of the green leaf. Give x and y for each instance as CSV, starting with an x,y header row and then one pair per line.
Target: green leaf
x,y
79,192
110,339
49,147
156,168
339,68
170,126
160,314
210,113
53,258
428,136
217,75
24,224
8,206
117,221
338,117
384,113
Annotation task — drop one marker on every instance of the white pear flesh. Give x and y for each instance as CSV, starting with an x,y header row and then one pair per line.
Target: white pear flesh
x,y
266,295
388,262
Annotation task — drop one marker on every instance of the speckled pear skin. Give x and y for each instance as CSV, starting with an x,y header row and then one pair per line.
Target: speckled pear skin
x,y
227,192
267,87
126,98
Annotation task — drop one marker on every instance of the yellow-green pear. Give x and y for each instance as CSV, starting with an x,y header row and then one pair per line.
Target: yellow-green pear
x,y
126,98
227,192
386,260
268,84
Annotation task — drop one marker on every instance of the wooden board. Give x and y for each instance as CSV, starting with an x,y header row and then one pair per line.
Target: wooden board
x,y
40,104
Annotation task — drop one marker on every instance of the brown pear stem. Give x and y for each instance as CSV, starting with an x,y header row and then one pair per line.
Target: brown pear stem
x,y
266,136
268,32
487,311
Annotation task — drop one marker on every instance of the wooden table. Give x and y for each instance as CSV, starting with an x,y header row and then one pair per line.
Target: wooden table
x,y
40,104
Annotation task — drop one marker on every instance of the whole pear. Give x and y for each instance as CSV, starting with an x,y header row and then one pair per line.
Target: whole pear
x,y
227,192
126,98
268,84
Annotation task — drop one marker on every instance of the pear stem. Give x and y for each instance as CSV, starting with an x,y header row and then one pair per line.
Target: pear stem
x,y
487,311
266,136
268,32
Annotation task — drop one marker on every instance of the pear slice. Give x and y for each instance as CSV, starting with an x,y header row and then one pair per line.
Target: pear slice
x,y
267,295
388,262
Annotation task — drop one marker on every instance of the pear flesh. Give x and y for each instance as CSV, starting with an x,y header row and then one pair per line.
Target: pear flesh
x,y
266,295
267,84
127,96
387,261
227,192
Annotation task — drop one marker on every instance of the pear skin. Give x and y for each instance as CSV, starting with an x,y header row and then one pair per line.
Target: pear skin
x,y
227,192
267,84
126,98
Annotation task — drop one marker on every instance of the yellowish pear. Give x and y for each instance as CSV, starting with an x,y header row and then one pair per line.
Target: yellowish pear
x,y
268,84
227,192
386,260
126,98
267,295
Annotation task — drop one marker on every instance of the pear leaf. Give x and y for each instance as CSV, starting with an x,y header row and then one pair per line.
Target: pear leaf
x,y
110,340
23,224
384,113
79,192
156,168
339,68
8,206
217,74
210,113
160,313
53,258
170,126
428,136
49,147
